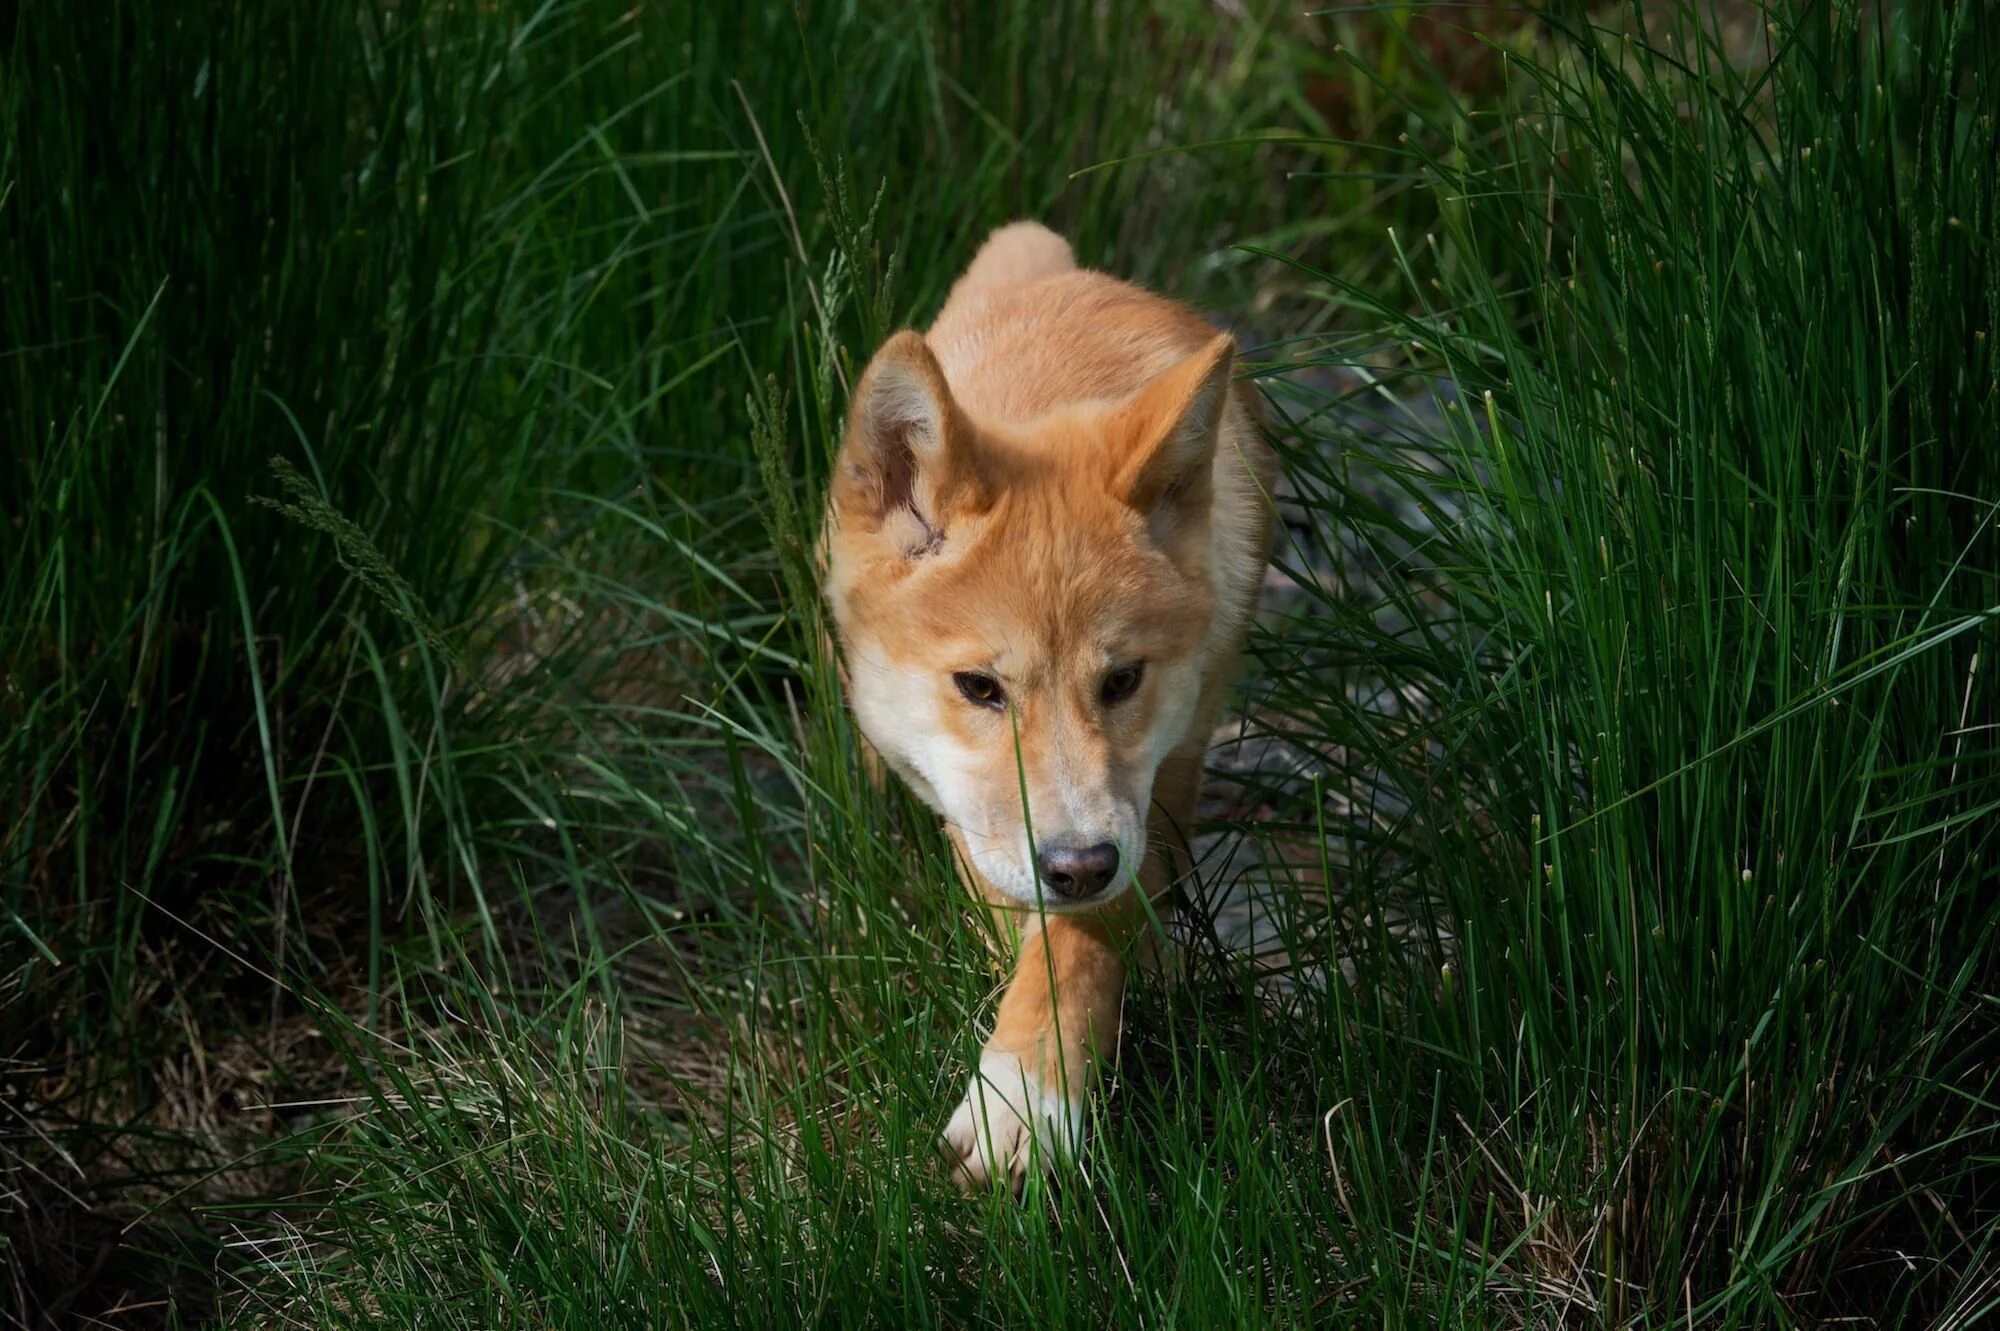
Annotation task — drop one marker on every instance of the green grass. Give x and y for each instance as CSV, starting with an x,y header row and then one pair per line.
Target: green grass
x,y
440,886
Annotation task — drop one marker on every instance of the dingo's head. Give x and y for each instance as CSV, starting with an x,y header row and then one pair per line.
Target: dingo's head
x,y
1026,611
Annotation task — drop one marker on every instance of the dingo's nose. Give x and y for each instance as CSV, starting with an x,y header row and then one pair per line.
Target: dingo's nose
x,y
1077,872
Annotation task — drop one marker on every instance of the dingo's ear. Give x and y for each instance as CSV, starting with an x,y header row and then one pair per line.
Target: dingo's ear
x,y
1169,430
905,463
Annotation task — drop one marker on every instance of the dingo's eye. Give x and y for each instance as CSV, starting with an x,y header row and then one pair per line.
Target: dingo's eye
x,y
1123,682
980,690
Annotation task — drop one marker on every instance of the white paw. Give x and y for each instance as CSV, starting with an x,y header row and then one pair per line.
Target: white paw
x,y
1009,1123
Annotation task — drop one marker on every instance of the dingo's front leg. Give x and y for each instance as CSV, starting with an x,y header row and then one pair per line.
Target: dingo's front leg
x,y
1025,1107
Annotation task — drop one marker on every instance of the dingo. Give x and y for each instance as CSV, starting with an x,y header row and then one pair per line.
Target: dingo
x,y
1046,533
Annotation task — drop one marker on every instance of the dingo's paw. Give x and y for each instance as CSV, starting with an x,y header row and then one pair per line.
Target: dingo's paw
x,y
1009,1123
